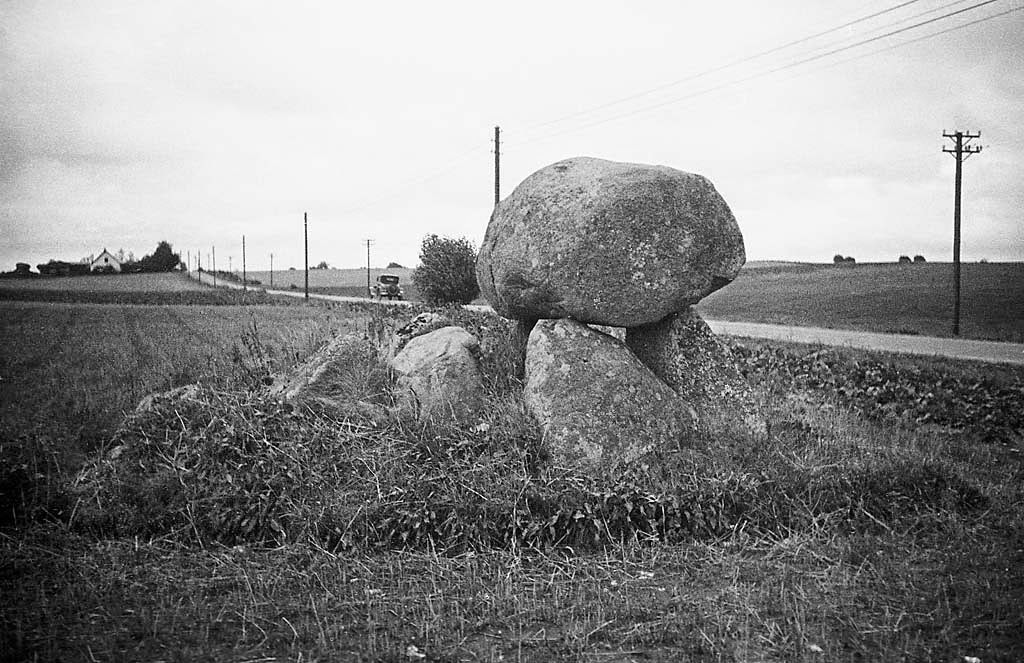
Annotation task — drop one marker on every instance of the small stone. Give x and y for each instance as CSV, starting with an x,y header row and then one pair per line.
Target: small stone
x,y
439,377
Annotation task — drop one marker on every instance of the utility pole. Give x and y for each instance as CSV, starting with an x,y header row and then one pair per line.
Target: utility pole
x,y
271,270
305,234
243,264
497,165
369,293
230,269
214,249
960,151
188,261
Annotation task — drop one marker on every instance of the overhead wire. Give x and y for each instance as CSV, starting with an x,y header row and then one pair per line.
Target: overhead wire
x,y
723,67
761,74
402,188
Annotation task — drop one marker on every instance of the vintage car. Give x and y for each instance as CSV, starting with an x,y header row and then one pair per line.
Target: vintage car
x,y
387,286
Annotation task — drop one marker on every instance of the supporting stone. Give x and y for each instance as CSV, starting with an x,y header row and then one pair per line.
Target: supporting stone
x,y
683,351
598,406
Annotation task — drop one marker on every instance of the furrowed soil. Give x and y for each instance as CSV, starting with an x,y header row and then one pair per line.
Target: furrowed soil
x,y
880,520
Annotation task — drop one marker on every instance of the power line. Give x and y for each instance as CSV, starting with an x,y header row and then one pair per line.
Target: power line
x,y
921,38
908,42
887,26
719,68
761,74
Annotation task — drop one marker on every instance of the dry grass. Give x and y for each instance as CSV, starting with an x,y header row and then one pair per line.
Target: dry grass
x,y
855,541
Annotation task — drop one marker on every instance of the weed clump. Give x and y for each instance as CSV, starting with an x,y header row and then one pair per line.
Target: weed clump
x,y
237,467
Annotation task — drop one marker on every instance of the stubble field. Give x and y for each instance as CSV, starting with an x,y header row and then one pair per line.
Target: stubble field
x,y
880,520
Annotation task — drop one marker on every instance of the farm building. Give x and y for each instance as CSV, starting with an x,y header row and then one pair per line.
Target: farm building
x,y
105,261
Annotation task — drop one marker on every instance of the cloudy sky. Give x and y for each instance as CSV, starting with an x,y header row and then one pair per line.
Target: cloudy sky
x,y
124,123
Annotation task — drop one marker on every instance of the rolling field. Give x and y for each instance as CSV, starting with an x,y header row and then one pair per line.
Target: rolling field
x,y
906,299
879,521
157,289
345,282
160,282
887,298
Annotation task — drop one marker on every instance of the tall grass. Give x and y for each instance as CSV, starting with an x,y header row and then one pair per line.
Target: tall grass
x,y
224,525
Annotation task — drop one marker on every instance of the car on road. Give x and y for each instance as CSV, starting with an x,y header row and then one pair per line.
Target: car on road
x,y
387,285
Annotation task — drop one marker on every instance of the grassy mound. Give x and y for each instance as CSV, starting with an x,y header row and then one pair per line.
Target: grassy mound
x,y
232,467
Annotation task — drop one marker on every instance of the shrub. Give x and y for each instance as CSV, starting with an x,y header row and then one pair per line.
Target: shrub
x,y
163,259
447,271
904,260
850,260
838,258
919,258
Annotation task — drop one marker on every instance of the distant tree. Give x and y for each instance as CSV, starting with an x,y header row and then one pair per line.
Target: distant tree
x,y
447,271
394,265
838,258
120,255
984,261
291,269
322,265
163,259
919,258
904,260
850,260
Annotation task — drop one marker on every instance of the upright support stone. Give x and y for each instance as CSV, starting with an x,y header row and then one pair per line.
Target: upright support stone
x,y
598,406
683,351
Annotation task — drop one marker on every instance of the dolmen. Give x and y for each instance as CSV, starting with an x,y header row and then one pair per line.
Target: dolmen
x,y
587,242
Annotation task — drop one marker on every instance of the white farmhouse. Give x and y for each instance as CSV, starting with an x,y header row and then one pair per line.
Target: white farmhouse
x,y
104,261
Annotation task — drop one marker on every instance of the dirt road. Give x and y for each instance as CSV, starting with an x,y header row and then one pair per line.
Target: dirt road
x,y
958,348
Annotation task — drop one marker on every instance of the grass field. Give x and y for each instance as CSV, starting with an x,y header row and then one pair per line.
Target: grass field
x,y
69,372
346,282
159,282
891,298
906,299
880,521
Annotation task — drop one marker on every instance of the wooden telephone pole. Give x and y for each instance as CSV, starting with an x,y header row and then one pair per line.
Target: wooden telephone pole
x,y
244,287
960,151
497,165
305,236
369,292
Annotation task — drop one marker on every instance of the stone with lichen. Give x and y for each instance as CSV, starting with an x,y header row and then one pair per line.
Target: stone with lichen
x,y
607,243
683,351
599,408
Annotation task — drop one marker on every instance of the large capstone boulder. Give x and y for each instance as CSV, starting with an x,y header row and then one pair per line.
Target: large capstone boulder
x,y
684,352
610,243
438,377
598,406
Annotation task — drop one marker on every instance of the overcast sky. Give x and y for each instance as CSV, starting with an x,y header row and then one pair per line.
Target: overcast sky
x,y
124,123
